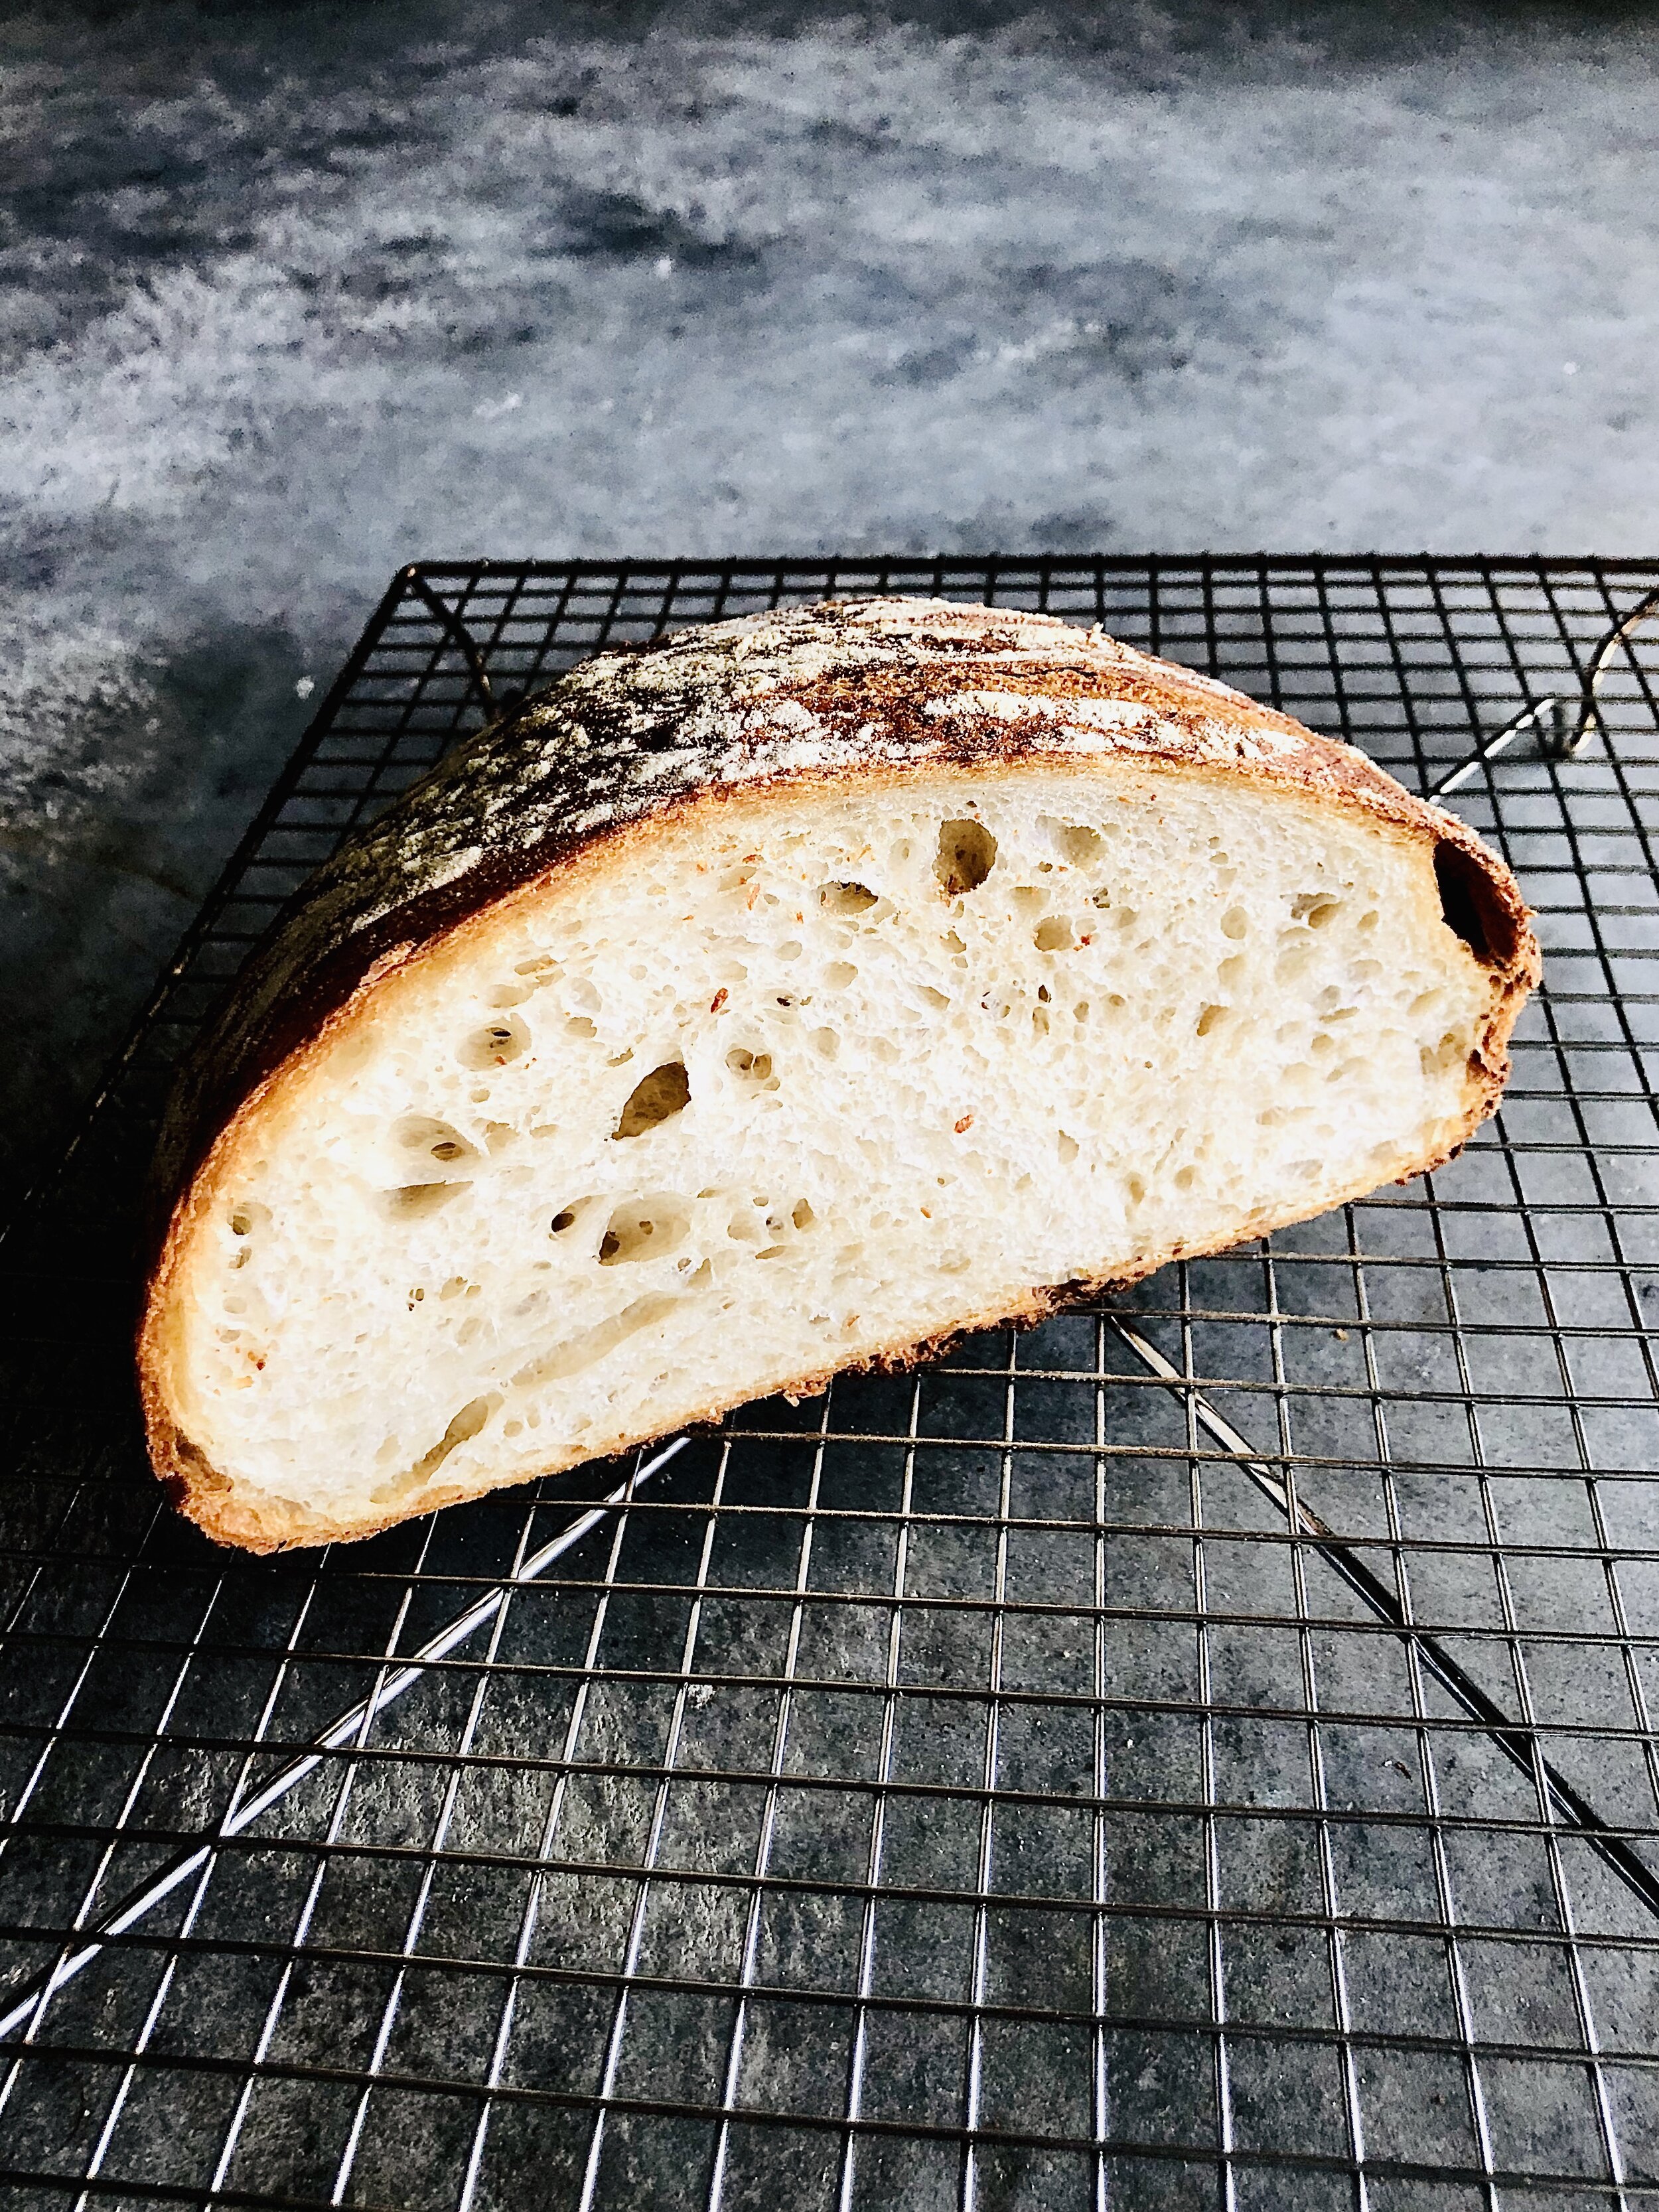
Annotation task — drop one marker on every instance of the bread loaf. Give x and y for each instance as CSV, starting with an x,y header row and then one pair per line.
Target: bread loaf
x,y
789,997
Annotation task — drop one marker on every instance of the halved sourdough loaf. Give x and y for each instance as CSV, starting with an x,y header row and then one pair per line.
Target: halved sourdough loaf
x,y
787,998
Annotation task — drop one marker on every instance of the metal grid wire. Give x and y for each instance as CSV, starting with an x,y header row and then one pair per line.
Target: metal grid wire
x,y
1193,1754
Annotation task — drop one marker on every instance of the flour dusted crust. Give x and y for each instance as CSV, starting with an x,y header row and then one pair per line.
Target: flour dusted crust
x,y
852,695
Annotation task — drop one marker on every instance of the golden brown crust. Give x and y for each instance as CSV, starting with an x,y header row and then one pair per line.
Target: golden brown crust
x,y
867,690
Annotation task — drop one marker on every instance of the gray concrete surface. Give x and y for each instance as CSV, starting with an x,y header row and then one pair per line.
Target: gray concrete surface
x,y
291,297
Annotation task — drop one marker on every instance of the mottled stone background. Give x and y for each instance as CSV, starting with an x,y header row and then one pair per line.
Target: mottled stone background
x,y
291,295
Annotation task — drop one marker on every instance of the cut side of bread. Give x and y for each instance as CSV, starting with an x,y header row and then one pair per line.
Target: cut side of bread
x,y
792,999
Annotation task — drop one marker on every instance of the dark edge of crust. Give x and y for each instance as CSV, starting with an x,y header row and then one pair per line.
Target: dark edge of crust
x,y
214,1097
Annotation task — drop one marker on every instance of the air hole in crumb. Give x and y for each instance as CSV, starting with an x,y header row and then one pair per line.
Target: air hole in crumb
x,y
465,1425
967,854
838,975
754,1067
1102,899
419,1133
1316,908
1136,1189
642,1228
826,1041
503,1037
1435,1060
656,1098
580,1026
563,1220
416,1198
1210,1017
1079,844
847,898
1067,1148
248,1217
1185,1178
1053,935
803,1216
1234,922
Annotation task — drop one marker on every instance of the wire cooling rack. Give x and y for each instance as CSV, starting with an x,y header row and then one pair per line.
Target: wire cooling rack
x,y
1192,1754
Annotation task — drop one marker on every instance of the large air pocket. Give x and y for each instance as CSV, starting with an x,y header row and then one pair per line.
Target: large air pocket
x,y
1472,906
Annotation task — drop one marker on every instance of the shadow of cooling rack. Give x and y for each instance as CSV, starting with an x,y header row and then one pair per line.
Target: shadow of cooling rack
x,y
1196,1753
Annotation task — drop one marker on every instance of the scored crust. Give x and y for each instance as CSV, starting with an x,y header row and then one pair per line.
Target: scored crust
x,y
575,781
